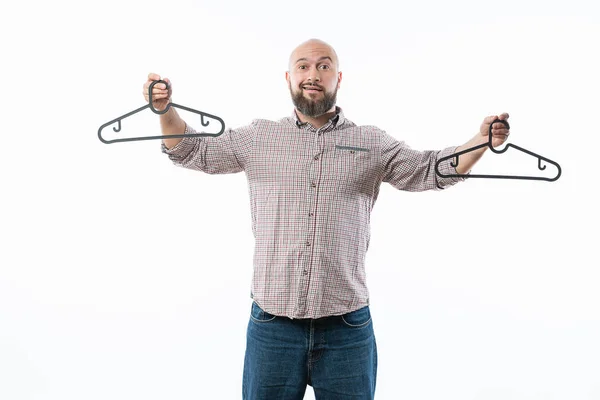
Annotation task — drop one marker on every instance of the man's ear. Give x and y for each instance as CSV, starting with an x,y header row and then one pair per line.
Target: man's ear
x,y
339,79
287,76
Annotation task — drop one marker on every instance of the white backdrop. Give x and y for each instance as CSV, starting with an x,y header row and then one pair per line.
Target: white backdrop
x,y
125,277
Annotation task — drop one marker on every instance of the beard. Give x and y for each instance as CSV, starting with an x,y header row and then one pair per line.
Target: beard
x,y
310,107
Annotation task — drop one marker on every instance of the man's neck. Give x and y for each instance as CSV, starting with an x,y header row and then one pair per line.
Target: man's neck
x,y
319,121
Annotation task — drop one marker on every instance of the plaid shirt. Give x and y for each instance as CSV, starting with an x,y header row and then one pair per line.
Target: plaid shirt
x,y
311,195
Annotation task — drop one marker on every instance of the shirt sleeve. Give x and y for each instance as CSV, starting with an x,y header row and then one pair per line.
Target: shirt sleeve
x,y
227,153
413,170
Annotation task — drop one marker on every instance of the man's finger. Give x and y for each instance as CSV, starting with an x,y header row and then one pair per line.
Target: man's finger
x,y
490,119
158,86
500,132
153,77
503,116
499,125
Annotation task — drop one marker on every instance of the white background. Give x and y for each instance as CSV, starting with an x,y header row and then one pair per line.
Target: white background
x,y
125,277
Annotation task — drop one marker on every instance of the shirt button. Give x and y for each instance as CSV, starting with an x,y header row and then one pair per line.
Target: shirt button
x,y
305,272
316,157
307,243
313,184
310,214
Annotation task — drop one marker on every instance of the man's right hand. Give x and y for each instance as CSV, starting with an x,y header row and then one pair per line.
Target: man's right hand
x,y
161,94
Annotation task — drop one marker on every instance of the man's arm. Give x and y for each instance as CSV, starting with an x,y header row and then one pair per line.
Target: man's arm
x,y
412,170
499,135
224,154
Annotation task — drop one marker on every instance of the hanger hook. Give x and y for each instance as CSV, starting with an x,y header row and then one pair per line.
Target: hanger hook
x,y
118,128
540,166
454,164
202,121
490,135
154,110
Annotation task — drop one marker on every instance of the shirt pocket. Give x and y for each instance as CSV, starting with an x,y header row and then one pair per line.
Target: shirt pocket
x,y
351,157
343,150
353,167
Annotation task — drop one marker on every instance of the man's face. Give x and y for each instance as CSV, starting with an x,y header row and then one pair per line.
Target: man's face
x,y
313,79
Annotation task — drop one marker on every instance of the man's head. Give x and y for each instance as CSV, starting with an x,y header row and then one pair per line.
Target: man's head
x,y
314,78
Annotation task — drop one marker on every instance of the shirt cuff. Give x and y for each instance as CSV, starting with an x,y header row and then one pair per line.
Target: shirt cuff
x,y
445,168
178,152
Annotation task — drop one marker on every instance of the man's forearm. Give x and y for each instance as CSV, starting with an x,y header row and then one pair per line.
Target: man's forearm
x,y
171,124
468,160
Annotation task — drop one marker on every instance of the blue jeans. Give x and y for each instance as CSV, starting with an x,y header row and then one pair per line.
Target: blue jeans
x,y
336,355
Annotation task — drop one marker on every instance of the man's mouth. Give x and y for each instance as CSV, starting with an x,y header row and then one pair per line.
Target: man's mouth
x,y
311,88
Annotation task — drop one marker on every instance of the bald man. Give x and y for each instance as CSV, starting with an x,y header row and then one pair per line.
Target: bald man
x,y
313,180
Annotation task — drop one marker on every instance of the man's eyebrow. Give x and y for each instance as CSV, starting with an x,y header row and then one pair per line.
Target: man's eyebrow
x,y
319,60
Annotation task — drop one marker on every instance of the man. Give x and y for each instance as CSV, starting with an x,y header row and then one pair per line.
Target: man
x,y
313,180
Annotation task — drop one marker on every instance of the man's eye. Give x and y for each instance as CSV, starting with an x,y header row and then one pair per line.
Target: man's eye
x,y
324,66
302,67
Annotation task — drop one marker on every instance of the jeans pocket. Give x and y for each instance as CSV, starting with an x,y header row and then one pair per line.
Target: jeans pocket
x,y
257,314
358,318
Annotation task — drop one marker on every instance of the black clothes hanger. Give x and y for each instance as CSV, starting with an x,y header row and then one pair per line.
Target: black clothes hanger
x,y
149,105
489,143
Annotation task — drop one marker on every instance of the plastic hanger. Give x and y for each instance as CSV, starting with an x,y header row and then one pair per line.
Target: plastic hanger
x,y
154,110
489,143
